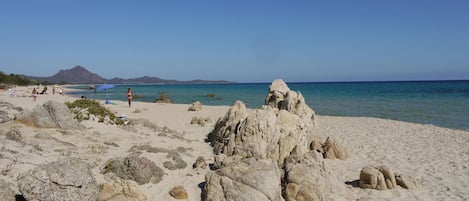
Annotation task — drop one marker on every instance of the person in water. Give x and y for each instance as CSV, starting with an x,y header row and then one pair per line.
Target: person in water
x,y
129,96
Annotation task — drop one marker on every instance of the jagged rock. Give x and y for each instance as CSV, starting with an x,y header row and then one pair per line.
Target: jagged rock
x,y
247,179
196,106
281,97
68,179
179,192
310,180
379,177
251,146
200,163
51,114
406,182
139,169
121,190
8,111
6,193
164,98
329,149
267,133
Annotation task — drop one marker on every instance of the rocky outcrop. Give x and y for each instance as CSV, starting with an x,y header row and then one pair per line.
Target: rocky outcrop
x,y
164,98
120,190
179,192
246,179
8,111
281,97
6,193
265,154
309,179
138,169
263,134
382,178
68,179
196,106
51,114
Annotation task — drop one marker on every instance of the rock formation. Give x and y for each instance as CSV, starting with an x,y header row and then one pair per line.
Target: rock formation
x,y
138,169
164,98
329,149
51,114
265,154
382,178
281,97
69,179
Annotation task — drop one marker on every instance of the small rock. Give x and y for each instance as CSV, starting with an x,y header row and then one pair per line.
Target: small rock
x,y
196,106
200,163
406,182
179,193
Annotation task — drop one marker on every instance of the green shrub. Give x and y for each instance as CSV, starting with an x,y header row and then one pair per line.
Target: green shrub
x,y
83,108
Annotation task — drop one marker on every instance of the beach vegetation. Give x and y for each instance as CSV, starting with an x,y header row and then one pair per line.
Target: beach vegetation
x,y
83,109
15,79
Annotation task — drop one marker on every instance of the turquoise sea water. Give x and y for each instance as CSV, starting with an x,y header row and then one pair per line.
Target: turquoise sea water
x,y
441,103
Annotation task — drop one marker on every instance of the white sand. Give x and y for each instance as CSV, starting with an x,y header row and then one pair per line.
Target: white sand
x,y
437,157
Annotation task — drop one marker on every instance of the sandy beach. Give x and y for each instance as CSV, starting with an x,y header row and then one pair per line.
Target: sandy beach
x,y
438,158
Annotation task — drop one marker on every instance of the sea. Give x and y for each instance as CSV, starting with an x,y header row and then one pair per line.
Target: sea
x,y
440,103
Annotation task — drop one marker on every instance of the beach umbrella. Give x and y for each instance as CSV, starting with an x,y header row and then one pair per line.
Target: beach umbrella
x,y
105,86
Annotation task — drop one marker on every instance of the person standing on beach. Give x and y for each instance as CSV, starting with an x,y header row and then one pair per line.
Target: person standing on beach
x,y
129,96
34,94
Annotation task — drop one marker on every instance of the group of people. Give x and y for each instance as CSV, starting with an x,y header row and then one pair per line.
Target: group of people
x,y
35,92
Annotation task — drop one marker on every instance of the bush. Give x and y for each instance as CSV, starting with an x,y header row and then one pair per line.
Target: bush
x,y
83,108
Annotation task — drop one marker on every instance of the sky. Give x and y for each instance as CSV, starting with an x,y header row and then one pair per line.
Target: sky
x,y
237,40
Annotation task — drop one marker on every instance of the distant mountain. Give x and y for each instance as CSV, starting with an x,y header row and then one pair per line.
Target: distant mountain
x,y
80,75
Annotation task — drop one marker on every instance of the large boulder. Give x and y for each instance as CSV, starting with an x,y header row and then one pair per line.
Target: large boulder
x,y
8,111
69,179
121,190
310,180
51,114
263,134
138,169
245,180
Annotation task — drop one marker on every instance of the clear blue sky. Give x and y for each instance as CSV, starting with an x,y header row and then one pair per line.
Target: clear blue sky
x,y
244,41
